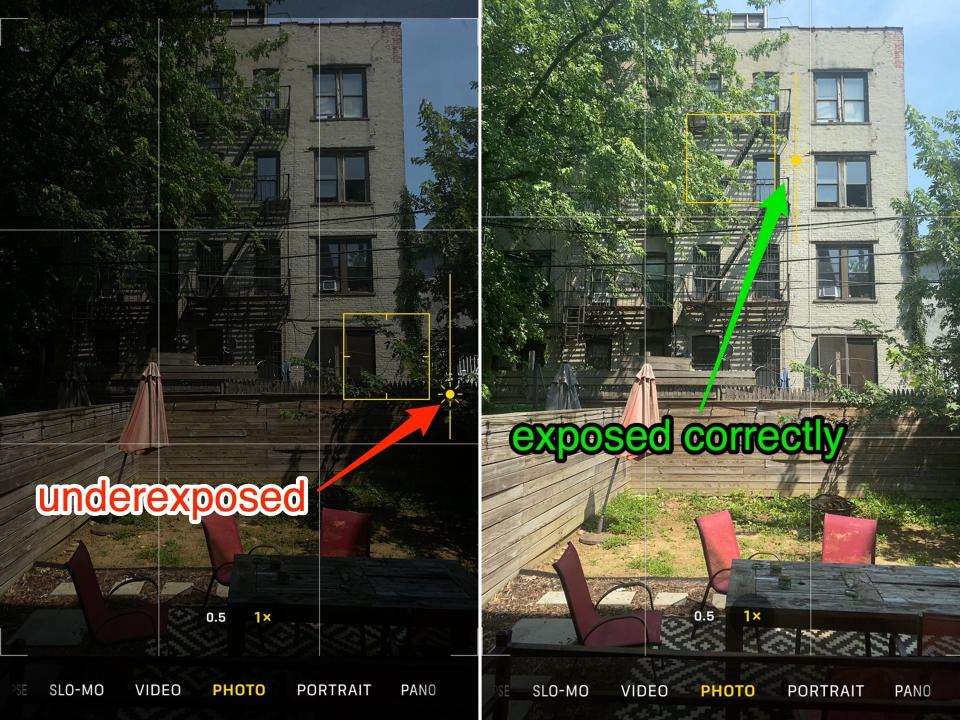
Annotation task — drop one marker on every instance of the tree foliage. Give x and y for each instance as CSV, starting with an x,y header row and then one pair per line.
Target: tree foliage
x,y
86,130
931,237
444,252
583,116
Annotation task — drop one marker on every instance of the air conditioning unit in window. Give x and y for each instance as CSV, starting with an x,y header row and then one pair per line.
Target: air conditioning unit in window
x,y
329,286
829,293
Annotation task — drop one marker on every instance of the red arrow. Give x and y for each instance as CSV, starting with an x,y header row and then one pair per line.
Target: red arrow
x,y
420,419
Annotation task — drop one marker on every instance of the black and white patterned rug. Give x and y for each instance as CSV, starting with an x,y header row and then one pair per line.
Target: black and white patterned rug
x,y
187,637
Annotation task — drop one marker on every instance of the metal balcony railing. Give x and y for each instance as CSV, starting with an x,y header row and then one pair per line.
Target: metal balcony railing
x,y
202,282
266,191
273,107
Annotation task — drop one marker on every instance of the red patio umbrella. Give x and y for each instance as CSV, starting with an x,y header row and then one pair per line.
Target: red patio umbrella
x,y
642,407
146,427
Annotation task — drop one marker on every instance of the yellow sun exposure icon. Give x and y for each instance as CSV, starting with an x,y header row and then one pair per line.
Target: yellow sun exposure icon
x,y
450,394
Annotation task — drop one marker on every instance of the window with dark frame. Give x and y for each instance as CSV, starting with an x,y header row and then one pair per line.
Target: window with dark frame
x,y
845,272
344,265
210,346
267,176
598,353
843,182
764,178
851,360
767,282
342,176
714,85
209,264
841,97
215,84
706,269
360,353
658,287
770,101
106,347
267,84
703,351
267,353
765,360
339,93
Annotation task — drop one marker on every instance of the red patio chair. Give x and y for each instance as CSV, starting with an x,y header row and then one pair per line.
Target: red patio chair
x,y
851,541
344,533
718,537
107,625
222,534
592,629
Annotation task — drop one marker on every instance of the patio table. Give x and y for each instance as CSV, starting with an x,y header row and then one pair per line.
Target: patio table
x,y
834,596
352,590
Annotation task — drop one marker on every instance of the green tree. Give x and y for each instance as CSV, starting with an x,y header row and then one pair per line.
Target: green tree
x,y
444,251
583,116
87,128
931,235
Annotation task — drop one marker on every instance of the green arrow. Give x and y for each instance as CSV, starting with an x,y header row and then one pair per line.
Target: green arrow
x,y
775,205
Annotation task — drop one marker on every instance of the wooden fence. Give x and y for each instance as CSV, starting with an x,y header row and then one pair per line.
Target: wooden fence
x,y
56,446
265,438
900,455
530,503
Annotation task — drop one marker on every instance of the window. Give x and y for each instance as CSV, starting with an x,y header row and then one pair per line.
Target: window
x,y
845,272
598,352
766,285
267,353
770,100
706,269
764,178
106,348
704,349
765,360
345,266
843,182
342,177
851,360
714,85
267,177
210,346
215,85
209,265
340,93
659,288
361,353
266,267
267,84
841,97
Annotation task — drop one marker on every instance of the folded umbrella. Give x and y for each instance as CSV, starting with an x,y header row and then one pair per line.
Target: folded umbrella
x,y
146,427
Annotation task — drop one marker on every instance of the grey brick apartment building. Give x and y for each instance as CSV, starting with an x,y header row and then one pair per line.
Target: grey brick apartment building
x,y
841,151
317,208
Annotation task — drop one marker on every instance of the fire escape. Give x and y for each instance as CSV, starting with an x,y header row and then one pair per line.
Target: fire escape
x,y
617,300
766,140
239,275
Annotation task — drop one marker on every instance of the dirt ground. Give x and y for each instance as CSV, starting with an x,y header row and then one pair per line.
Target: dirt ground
x,y
673,547
182,544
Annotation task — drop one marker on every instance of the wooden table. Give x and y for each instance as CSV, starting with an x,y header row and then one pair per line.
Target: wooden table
x,y
832,596
352,590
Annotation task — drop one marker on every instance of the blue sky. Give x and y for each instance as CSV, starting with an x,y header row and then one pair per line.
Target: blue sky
x,y
930,31
439,63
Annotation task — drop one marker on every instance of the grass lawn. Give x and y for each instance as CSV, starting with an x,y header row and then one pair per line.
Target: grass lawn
x,y
656,535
